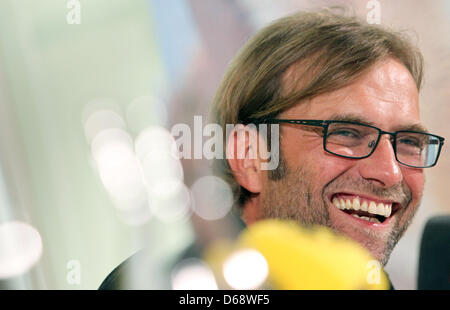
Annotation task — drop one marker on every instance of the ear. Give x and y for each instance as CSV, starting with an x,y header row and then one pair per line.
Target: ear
x,y
243,157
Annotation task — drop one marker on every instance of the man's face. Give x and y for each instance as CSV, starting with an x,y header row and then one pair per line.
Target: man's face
x,y
385,97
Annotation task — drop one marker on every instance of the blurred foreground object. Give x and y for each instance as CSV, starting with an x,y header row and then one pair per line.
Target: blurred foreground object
x,y
434,262
280,254
270,254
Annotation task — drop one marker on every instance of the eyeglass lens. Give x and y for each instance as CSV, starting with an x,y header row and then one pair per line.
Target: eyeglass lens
x,y
356,140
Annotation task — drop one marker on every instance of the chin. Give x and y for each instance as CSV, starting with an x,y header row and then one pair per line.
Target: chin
x,y
379,245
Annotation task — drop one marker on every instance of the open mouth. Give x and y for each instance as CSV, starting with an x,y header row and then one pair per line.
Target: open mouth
x,y
365,209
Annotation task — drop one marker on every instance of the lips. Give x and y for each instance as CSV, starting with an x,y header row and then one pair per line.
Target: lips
x,y
367,209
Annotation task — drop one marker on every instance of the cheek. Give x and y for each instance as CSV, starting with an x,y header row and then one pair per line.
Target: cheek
x,y
308,154
415,180
323,167
330,167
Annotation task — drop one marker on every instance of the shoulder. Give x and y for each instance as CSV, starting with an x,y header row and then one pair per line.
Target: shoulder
x,y
139,271
117,278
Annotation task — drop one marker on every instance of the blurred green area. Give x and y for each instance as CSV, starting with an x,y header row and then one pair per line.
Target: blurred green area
x,y
49,71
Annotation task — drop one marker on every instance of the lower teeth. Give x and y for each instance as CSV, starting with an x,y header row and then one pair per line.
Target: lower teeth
x,y
370,219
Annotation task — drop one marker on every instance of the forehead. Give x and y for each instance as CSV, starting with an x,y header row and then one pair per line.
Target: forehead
x,y
386,96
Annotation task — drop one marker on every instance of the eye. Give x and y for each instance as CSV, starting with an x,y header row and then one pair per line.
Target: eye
x,y
344,132
411,141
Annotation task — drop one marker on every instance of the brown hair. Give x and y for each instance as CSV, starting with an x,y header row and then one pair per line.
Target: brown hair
x,y
328,52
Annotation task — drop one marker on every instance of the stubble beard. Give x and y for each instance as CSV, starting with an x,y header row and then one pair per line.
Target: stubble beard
x,y
291,196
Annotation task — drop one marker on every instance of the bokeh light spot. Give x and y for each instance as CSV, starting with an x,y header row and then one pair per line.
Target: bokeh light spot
x,y
20,248
193,274
212,198
169,200
246,270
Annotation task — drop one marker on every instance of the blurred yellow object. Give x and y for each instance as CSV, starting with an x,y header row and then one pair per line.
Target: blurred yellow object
x,y
312,259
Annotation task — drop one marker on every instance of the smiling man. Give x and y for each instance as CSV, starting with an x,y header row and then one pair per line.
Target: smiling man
x,y
352,146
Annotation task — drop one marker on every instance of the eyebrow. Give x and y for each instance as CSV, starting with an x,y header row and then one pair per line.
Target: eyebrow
x,y
359,119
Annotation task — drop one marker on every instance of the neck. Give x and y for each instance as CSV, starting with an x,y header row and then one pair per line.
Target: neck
x,y
251,211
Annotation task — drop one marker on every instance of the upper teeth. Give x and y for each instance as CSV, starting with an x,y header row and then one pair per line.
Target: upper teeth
x,y
369,206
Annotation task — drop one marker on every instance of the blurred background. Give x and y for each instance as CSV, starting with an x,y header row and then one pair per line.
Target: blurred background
x,y
86,110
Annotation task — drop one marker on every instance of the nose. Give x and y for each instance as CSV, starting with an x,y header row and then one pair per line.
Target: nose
x,y
382,167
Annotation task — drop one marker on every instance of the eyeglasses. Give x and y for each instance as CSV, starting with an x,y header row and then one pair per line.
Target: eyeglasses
x,y
355,140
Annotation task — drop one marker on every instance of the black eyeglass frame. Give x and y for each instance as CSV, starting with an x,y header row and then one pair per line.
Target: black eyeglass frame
x,y
325,123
